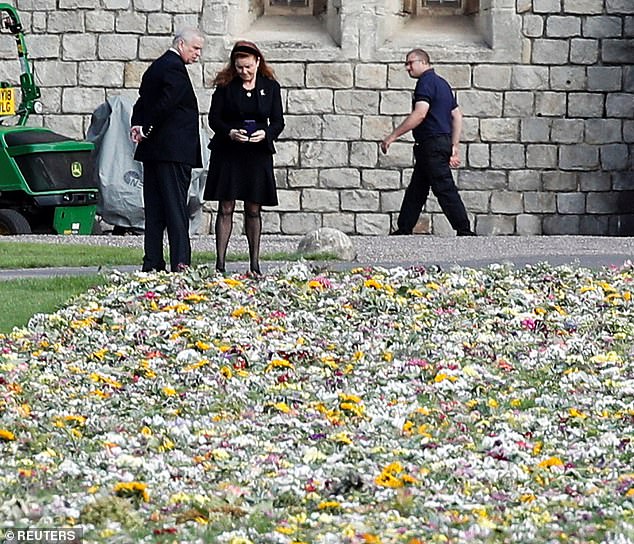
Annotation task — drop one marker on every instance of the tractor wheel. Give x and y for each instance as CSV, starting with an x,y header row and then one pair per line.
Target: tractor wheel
x,y
13,222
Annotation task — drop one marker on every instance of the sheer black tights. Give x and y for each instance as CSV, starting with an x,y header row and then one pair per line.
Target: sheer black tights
x,y
224,225
253,229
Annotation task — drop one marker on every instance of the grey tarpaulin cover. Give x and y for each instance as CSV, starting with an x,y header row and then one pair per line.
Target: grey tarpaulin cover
x,y
121,177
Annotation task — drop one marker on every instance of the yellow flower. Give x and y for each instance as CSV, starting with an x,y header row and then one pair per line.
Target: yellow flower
x,y
132,489
285,530
202,346
328,505
282,407
441,376
226,372
169,391
551,462
342,438
7,436
243,312
576,413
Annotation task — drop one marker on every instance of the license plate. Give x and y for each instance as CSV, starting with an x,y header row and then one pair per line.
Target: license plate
x,y
7,101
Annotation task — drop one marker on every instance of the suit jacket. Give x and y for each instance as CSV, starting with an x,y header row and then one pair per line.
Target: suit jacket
x,y
225,114
167,111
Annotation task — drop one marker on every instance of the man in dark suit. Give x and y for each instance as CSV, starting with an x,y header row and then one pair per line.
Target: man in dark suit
x,y
165,125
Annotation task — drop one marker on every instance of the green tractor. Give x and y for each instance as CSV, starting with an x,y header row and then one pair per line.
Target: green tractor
x,y
47,181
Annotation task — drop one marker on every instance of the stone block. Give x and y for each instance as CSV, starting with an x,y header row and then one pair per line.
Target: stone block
x,y
495,225
357,102
62,22
619,6
132,23
339,178
492,76
584,51
289,200
375,127
508,156
480,103
578,157
323,154
535,129
117,4
370,76
628,131
79,47
583,7
82,99
320,200
381,180
605,202
619,105
533,26
478,156
594,225
331,75
482,181
550,104
529,77
470,129
558,180
567,131
615,51
499,130
133,72
506,202
302,127
101,74
476,201
395,103
372,224
528,225
441,226
299,223
604,78
57,74
43,46
602,26
585,104
615,157
304,177
603,131
399,155
68,125
539,202
310,101
547,6
518,103
183,6
287,153
571,203
359,200
152,47
290,74
458,75
541,156
341,127
117,47
563,26
561,224
271,223
550,52
525,180
568,78
161,23
363,154
390,201
595,181
341,221
397,77
99,21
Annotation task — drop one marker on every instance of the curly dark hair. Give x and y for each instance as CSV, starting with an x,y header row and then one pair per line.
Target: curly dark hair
x,y
242,49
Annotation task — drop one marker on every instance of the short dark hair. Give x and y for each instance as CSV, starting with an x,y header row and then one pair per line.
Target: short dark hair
x,y
421,54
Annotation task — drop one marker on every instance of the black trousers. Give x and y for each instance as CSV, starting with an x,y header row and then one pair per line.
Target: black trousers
x,y
432,171
165,189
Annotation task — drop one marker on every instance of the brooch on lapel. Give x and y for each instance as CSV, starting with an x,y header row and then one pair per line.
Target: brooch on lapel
x,y
262,92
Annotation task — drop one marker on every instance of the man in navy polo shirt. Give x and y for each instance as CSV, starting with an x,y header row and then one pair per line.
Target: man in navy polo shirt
x,y
436,123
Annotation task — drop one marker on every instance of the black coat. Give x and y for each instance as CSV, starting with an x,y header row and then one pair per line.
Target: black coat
x,y
225,113
167,111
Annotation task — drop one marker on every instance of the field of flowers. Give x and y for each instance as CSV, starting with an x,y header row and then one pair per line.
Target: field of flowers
x,y
368,406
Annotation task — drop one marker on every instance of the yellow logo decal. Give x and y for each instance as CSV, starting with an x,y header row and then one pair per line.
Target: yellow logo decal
x,y
76,169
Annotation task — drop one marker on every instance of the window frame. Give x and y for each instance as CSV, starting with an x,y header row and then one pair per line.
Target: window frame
x,y
272,9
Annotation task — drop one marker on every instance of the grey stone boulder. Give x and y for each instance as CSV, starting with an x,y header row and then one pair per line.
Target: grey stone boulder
x,y
327,240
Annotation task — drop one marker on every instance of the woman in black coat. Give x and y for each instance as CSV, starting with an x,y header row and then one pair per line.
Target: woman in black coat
x,y
246,117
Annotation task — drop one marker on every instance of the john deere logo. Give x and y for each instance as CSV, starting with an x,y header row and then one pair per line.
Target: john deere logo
x,y
76,169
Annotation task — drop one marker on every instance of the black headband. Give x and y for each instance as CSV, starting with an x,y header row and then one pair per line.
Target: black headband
x,y
245,49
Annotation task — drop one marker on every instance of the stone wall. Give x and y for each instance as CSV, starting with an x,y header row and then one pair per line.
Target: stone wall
x,y
546,87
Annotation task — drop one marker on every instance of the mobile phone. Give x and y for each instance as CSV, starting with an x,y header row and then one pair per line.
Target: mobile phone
x,y
249,126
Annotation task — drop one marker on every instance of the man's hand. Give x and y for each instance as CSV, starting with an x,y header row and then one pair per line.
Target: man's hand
x,y
257,136
136,134
386,143
454,160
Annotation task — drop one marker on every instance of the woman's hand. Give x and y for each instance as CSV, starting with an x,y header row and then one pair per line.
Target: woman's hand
x,y
257,136
238,135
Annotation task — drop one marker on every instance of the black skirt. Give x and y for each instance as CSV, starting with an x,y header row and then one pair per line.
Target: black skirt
x,y
241,171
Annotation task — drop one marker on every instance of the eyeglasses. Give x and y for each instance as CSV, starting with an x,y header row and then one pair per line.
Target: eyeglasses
x,y
410,62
